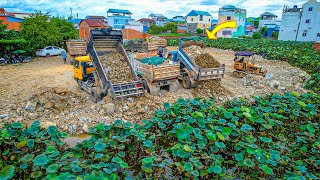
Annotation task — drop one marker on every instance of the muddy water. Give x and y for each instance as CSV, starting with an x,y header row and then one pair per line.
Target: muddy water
x,y
73,140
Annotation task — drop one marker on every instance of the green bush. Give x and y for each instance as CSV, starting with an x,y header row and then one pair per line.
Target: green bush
x,y
173,27
275,35
274,137
154,29
256,35
199,31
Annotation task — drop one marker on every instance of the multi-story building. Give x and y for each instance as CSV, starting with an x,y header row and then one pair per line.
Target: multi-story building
x,y
269,20
160,19
117,18
301,24
231,13
202,19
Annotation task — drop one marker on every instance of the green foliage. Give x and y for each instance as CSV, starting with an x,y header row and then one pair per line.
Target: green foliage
x,y
275,35
189,139
256,35
40,30
171,26
154,29
199,31
263,31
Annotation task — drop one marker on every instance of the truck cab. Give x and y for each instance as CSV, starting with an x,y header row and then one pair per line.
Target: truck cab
x,y
83,68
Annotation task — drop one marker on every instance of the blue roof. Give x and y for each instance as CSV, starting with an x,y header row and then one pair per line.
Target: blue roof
x,y
196,13
75,21
14,19
119,11
214,21
229,7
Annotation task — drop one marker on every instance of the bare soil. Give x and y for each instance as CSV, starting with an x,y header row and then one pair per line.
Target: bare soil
x,y
48,84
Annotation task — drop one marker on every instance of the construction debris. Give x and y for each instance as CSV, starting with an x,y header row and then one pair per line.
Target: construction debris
x,y
118,71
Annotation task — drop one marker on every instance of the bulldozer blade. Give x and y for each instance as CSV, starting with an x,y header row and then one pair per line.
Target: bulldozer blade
x,y
269,75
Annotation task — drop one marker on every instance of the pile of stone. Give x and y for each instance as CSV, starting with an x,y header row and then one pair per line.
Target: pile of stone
x,y
116,68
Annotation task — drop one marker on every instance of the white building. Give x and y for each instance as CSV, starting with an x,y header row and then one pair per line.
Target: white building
x,y
301,24
134,25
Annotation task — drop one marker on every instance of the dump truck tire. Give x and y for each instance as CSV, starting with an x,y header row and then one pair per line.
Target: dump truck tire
x,y
174,87
186,82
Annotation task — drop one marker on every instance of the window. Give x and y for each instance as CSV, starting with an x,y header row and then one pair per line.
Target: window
x,y
318,35
304,34
55,47
191,19
308,21
117,20
228,18
76,64
201,17
49,48
209,20
310,8
226,33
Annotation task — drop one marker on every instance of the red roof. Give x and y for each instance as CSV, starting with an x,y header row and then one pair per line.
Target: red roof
x,y
146,20
95,23
249,28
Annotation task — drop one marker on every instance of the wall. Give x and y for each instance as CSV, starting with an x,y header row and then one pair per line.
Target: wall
x,y
313,27
239,17
137,28
118,22
205,23
13,23
132,34
192,27
289,26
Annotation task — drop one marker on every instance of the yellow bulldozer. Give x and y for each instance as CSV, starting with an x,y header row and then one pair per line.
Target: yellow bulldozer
x,y
243,66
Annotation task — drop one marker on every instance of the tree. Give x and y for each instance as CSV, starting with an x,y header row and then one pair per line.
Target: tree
x,y
263,31
199,31
256,35
3,27
154,29
40,31
275,35
172,26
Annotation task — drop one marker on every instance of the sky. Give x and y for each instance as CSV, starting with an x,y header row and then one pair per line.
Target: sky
x,y
142,8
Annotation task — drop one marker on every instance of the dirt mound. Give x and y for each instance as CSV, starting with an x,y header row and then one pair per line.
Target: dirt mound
x,y
206,61
211,88
117,68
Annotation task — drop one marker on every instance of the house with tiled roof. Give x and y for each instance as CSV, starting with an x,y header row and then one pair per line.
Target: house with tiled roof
x,y
198,19
87,24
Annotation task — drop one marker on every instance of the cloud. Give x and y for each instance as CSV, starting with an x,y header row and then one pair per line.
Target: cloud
x,y
143,8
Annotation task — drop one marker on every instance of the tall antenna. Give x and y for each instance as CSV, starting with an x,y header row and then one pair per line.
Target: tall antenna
x,y
77,16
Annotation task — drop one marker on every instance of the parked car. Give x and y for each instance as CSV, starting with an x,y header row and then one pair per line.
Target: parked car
x,y
49,51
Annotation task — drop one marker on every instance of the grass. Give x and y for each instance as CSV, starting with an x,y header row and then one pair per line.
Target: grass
x,y
172,34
